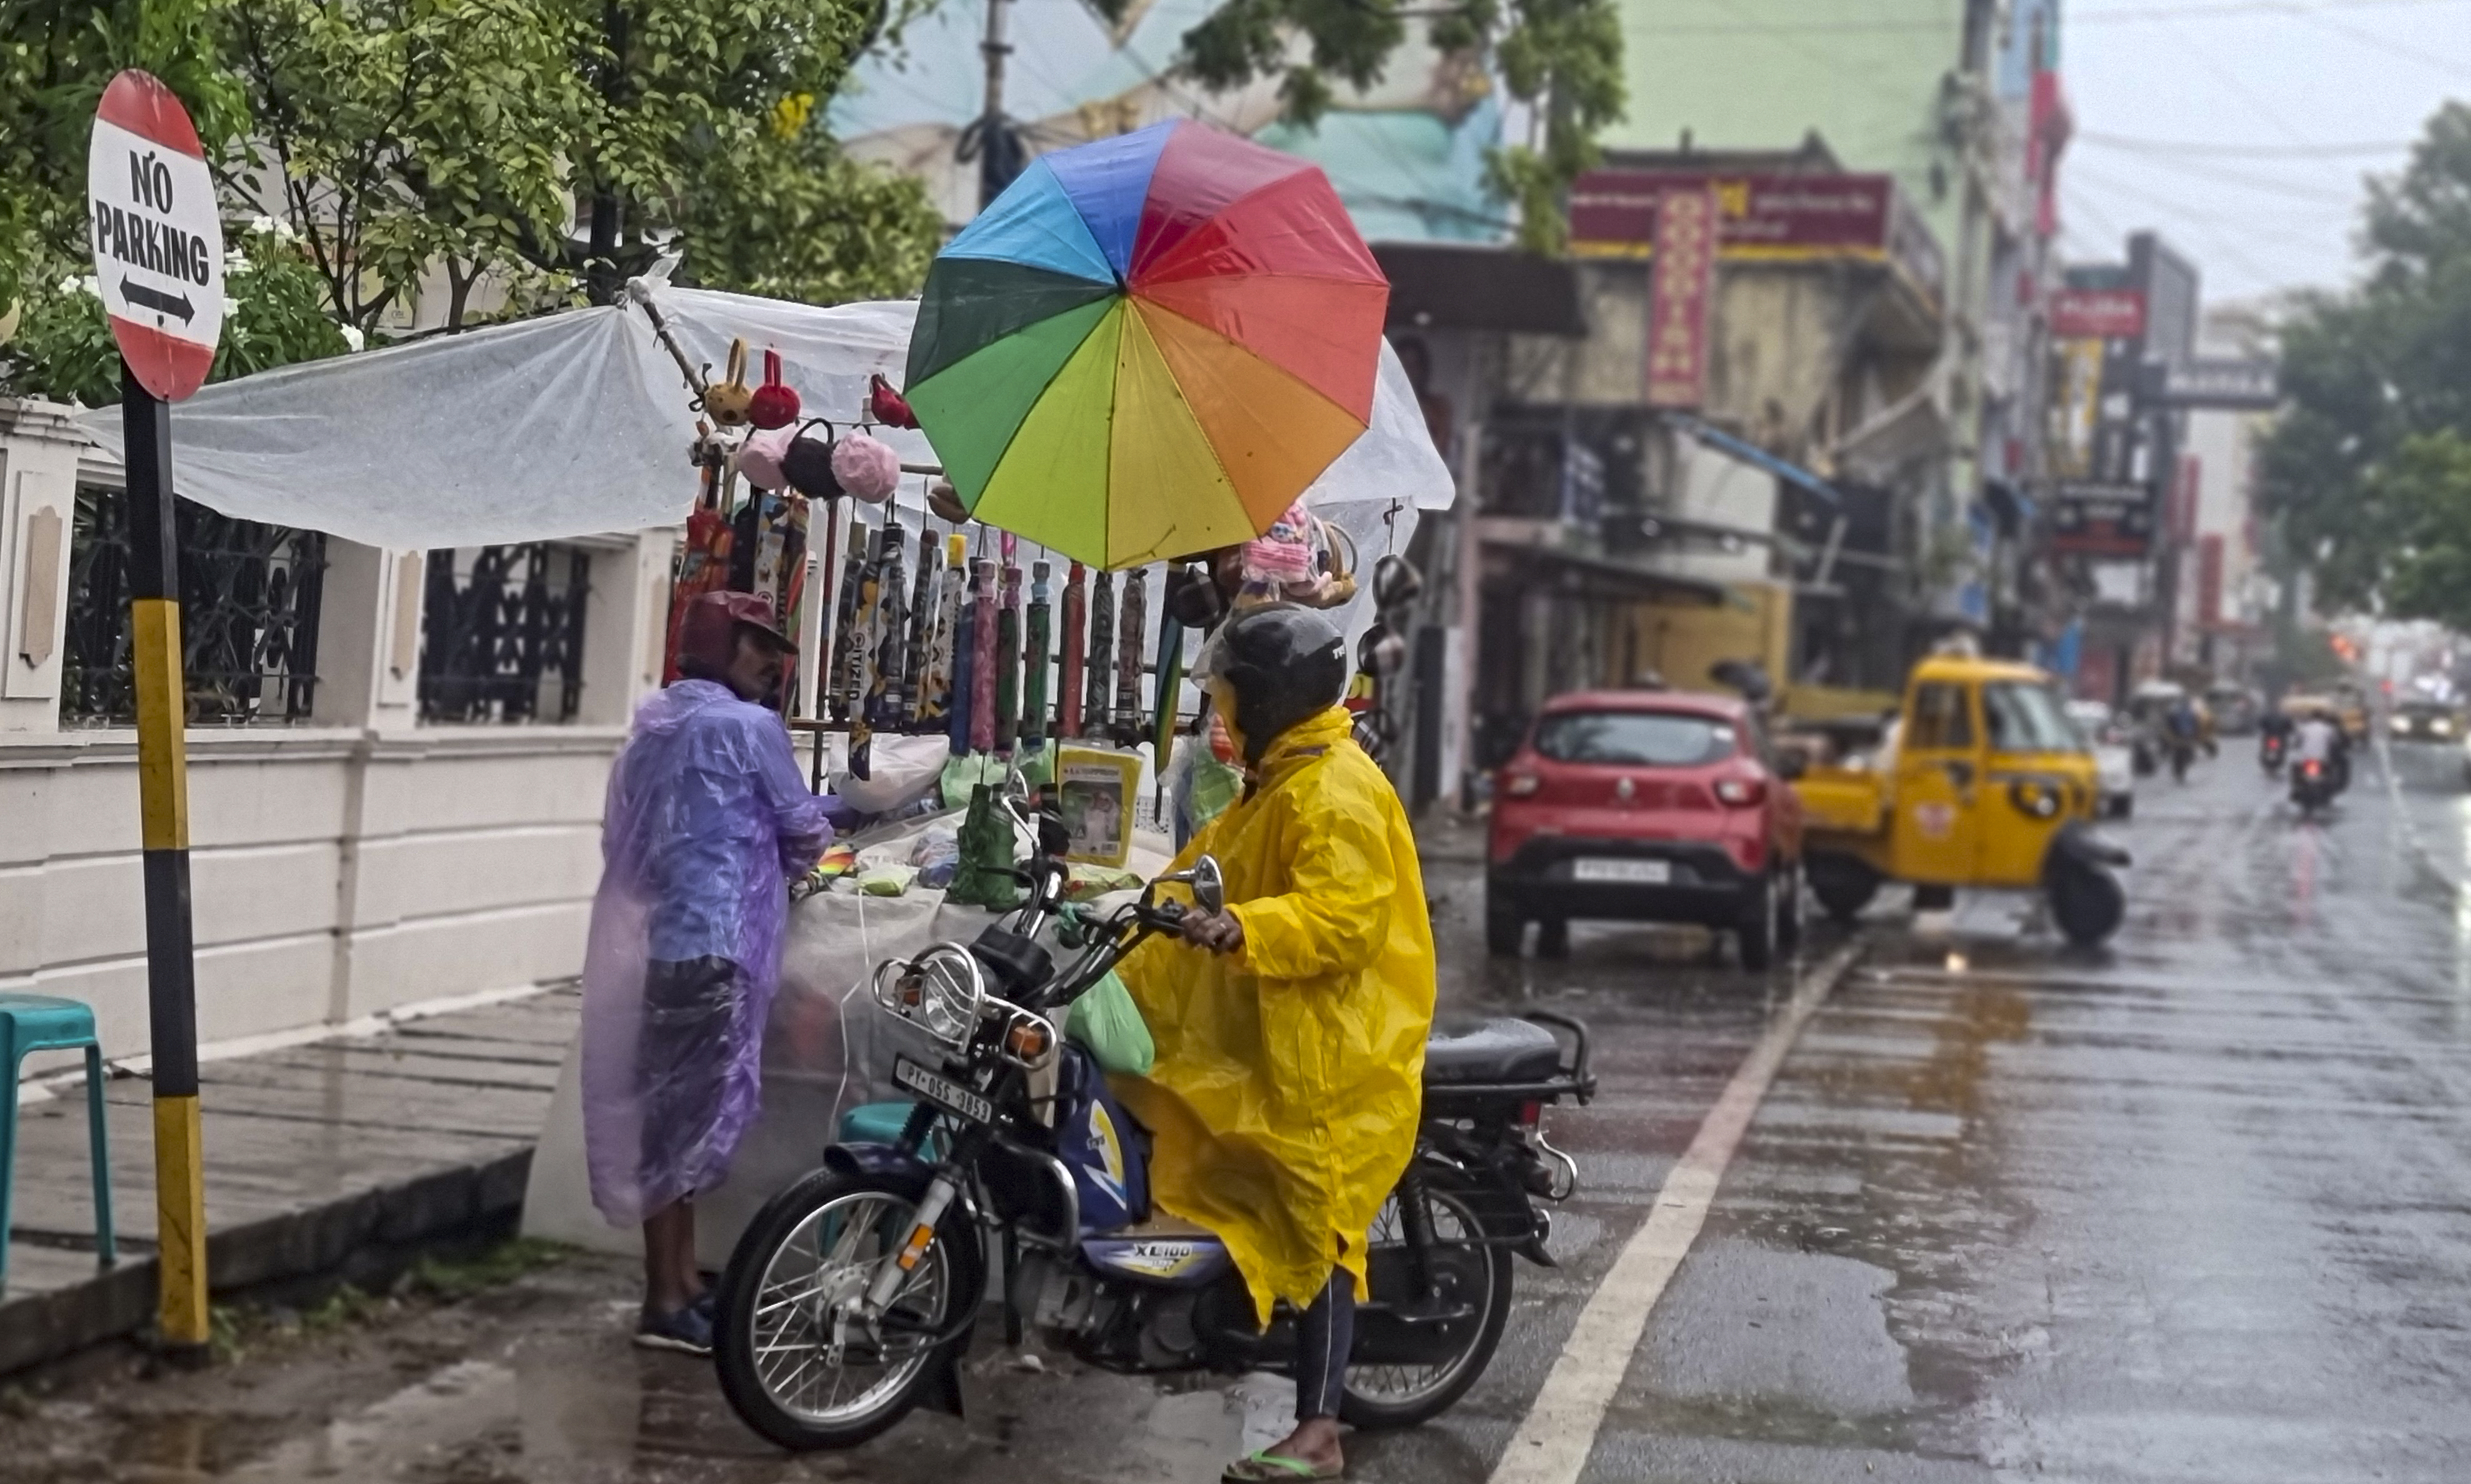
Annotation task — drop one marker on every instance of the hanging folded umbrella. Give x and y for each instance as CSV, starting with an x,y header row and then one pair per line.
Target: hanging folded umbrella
x,y
1148,345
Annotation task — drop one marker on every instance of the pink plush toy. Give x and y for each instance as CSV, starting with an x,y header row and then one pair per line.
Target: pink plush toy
x,y
866,468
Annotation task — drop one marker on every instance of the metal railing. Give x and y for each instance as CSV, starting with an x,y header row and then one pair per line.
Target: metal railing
x,y
248,616
501,633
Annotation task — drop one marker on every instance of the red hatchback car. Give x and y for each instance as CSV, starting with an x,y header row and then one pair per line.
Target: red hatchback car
x,y
1656,805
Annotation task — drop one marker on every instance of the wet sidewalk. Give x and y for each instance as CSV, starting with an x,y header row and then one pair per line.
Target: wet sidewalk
x,y
337,1158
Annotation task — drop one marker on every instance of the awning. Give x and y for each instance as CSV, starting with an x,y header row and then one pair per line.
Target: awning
x,y
1756,456
1607,576
577,424
1453,287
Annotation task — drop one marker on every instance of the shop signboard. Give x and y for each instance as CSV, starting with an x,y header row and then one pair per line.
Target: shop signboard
x,y
2215,383
1683,280
2097,314
1776,215
2102,520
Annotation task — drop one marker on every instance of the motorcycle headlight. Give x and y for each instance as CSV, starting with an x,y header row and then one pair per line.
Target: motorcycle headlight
x,y
941,992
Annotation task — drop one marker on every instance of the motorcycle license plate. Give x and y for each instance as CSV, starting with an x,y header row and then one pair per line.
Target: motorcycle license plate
x,y
1649,873
943,1092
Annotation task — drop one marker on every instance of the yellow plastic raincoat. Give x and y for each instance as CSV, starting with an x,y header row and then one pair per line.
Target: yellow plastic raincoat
x,y
1290,1074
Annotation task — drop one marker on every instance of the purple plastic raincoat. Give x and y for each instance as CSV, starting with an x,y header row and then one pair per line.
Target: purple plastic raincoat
x,y
707,816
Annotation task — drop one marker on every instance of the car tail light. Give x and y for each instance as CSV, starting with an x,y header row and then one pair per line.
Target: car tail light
x,y
1741,792
1520,786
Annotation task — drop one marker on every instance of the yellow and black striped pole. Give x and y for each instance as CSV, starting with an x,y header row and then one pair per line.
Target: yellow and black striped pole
x,y
163,802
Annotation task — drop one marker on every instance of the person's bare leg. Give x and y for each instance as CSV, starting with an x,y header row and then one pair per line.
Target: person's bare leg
x,y
670,1282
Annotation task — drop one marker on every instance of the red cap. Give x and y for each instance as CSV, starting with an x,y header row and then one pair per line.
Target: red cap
x,y
709,632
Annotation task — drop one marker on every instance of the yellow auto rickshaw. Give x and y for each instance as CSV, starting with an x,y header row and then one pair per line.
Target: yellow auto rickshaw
x,y
1983,782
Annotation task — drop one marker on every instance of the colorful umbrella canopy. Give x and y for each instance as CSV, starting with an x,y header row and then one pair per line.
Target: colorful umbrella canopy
x,y
1148,345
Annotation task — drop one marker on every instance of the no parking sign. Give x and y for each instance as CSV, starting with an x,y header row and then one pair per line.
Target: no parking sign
x,y
158,236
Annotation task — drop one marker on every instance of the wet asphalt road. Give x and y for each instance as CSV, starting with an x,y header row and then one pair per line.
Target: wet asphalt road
x,y
2194,1208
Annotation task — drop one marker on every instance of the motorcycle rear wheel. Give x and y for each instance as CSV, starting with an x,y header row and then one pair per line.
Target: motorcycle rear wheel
x,y
1405,1396
811,1248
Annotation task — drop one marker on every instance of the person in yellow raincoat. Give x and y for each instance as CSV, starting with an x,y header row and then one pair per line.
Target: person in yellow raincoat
x,y
1290,1027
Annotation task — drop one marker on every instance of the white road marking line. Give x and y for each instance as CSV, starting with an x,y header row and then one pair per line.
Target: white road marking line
x,y
1552,1443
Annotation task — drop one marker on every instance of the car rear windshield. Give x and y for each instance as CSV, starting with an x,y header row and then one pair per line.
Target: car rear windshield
x,y
1638,739
2027,717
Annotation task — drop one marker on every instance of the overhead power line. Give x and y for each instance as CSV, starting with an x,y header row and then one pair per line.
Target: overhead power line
x,y
2239,150
2114,16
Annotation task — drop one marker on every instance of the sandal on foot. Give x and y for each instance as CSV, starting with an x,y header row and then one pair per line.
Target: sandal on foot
x,y
1267,1468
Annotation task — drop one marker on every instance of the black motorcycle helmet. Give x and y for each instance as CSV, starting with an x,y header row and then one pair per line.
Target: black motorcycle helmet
x,y
1285,662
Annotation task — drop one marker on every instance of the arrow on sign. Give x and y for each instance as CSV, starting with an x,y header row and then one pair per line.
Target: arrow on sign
x,y
160,302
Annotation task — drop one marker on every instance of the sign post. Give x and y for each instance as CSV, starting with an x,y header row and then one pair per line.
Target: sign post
x,y
158,263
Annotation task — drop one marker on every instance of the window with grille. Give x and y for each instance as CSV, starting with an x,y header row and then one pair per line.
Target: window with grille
x,y
501,633
248,616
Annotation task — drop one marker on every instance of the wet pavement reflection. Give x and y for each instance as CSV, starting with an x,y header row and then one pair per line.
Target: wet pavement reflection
x,y
2194,1207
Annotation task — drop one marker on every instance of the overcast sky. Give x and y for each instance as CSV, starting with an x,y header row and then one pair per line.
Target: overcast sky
x,y
2232,127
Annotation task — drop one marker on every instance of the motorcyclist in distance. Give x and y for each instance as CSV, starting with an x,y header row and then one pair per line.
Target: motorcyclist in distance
x,y
2320,738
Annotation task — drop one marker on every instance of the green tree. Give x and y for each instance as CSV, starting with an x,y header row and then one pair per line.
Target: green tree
x,y
1559,57
398,136
703,140
2378,385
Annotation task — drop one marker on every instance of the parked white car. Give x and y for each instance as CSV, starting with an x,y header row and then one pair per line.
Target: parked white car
x,y
2114,759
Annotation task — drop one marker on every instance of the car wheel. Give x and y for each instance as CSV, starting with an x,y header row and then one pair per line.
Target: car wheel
x,y
1755,939
1504,931
1553,938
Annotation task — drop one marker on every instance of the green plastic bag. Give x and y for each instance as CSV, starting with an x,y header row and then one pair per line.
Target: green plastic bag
x,y
1106,1024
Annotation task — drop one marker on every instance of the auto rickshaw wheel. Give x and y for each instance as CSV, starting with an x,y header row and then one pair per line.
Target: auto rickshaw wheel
x,y
2086,902
1842,885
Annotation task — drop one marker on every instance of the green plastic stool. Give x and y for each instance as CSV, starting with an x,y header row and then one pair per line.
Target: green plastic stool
x,y
40,1023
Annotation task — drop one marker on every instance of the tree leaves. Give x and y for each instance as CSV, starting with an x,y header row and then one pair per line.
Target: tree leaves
x,y
1561,57
2371,377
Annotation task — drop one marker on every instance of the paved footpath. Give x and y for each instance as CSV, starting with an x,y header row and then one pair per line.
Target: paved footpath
x,y
328,1158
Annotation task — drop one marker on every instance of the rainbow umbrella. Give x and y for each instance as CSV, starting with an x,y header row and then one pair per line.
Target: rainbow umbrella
x,y
1148,345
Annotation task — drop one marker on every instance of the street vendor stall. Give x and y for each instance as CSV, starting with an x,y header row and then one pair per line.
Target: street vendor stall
x,y
1128,362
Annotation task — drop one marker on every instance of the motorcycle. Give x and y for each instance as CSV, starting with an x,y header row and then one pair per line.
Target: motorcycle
x,y
854,1294
2272,750
2314,782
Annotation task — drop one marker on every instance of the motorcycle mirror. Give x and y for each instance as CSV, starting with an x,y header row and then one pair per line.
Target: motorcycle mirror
x,y
1208,883
1053,839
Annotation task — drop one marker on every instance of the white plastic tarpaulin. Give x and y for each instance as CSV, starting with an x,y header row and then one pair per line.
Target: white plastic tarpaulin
x,y
578,423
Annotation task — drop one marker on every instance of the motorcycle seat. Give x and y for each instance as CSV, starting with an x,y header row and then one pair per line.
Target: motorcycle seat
x,y
1494,1051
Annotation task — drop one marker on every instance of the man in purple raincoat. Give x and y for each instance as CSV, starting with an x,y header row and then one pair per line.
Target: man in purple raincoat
x,y
708,818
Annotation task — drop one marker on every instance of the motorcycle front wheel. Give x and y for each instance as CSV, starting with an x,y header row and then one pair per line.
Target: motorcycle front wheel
x,y
1469,1276
794,1360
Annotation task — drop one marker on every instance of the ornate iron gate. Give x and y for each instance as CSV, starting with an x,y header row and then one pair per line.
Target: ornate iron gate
x,y
501,633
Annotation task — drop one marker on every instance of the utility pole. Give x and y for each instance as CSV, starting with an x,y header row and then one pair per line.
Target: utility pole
x,y
1000,156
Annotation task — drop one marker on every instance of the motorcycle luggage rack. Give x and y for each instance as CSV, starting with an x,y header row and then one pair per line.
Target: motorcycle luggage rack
x,y
1573,1079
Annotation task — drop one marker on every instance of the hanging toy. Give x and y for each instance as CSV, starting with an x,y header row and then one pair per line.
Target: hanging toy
x,y
866,468
889,407
946,501
764,456
807,464
774,404
727,399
